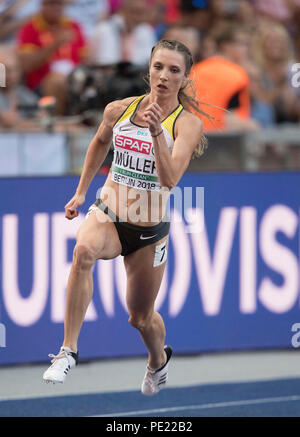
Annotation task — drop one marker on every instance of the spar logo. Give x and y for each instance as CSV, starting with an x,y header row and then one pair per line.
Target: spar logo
x,y
133,144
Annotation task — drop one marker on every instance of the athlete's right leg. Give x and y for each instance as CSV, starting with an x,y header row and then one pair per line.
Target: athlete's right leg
x,y
97,238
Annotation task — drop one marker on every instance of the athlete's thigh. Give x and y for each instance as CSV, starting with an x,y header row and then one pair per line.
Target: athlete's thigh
x,y
145,269
99,234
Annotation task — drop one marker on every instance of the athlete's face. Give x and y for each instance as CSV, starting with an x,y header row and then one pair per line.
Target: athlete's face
x,y
167,72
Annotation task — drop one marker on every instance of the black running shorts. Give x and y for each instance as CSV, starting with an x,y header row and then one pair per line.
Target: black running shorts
x,y
133,237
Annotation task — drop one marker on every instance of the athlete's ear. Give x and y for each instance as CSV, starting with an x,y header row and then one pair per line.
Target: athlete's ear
x,y
184,83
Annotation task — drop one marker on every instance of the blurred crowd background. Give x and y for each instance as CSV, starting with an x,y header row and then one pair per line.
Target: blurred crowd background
x,y
67,59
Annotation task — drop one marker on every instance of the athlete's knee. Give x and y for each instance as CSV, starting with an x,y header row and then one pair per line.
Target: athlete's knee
x,y
140,321
83,257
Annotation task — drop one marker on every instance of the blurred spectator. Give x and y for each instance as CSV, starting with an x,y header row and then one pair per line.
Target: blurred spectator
x,y
279,10
115,5
294,29
189,36
154,13
4,5
224,9
172,11
273,52
88,14
209,15
14,95
14,14
50,46
159,17
125,37
196,14
297,42
246,14
220,81
261,109
238,11
208,46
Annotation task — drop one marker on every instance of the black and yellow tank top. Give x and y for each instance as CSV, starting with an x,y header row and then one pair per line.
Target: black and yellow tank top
x,y
134,162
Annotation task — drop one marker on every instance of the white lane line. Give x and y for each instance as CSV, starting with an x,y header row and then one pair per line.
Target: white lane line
x,y
205,406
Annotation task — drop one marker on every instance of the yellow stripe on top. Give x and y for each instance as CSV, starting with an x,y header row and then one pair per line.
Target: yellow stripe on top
x,y
130,109
168,123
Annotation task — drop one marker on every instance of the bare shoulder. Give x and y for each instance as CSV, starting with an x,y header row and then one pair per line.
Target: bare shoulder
x,y
189,122
115,109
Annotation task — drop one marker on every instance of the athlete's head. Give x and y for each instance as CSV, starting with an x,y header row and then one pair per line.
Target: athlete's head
x,y
170,62
170,65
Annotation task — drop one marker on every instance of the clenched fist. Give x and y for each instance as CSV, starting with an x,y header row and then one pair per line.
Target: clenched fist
x,y
71,207
152,116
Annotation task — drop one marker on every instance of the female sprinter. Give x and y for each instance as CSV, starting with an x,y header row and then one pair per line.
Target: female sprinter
x,y
158,137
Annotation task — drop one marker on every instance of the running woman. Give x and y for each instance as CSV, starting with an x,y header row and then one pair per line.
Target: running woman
x,y
154,137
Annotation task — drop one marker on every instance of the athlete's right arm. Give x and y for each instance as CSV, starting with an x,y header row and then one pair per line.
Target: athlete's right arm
x,y
96,153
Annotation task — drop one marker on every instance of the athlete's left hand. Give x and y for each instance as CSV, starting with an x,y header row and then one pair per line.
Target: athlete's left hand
x,y
152,117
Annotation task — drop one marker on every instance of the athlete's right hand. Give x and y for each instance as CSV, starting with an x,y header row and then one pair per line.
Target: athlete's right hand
x,y
71,207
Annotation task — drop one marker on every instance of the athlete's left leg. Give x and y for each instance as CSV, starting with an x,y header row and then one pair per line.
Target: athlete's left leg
x,y
144,275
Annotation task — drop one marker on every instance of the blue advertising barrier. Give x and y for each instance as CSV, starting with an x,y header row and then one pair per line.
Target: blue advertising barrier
x,y
232,284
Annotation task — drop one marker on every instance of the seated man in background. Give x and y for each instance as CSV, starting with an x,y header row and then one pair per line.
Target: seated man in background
x,y
50,46
220,81
12,95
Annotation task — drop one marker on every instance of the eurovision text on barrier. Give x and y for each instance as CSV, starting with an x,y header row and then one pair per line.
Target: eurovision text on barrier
x,y
234,285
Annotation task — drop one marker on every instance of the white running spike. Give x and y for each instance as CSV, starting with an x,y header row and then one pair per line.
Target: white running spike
x,y
155,380
61,364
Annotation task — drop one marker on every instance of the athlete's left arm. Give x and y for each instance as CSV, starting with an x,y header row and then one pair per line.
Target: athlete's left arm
x,y
171,167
